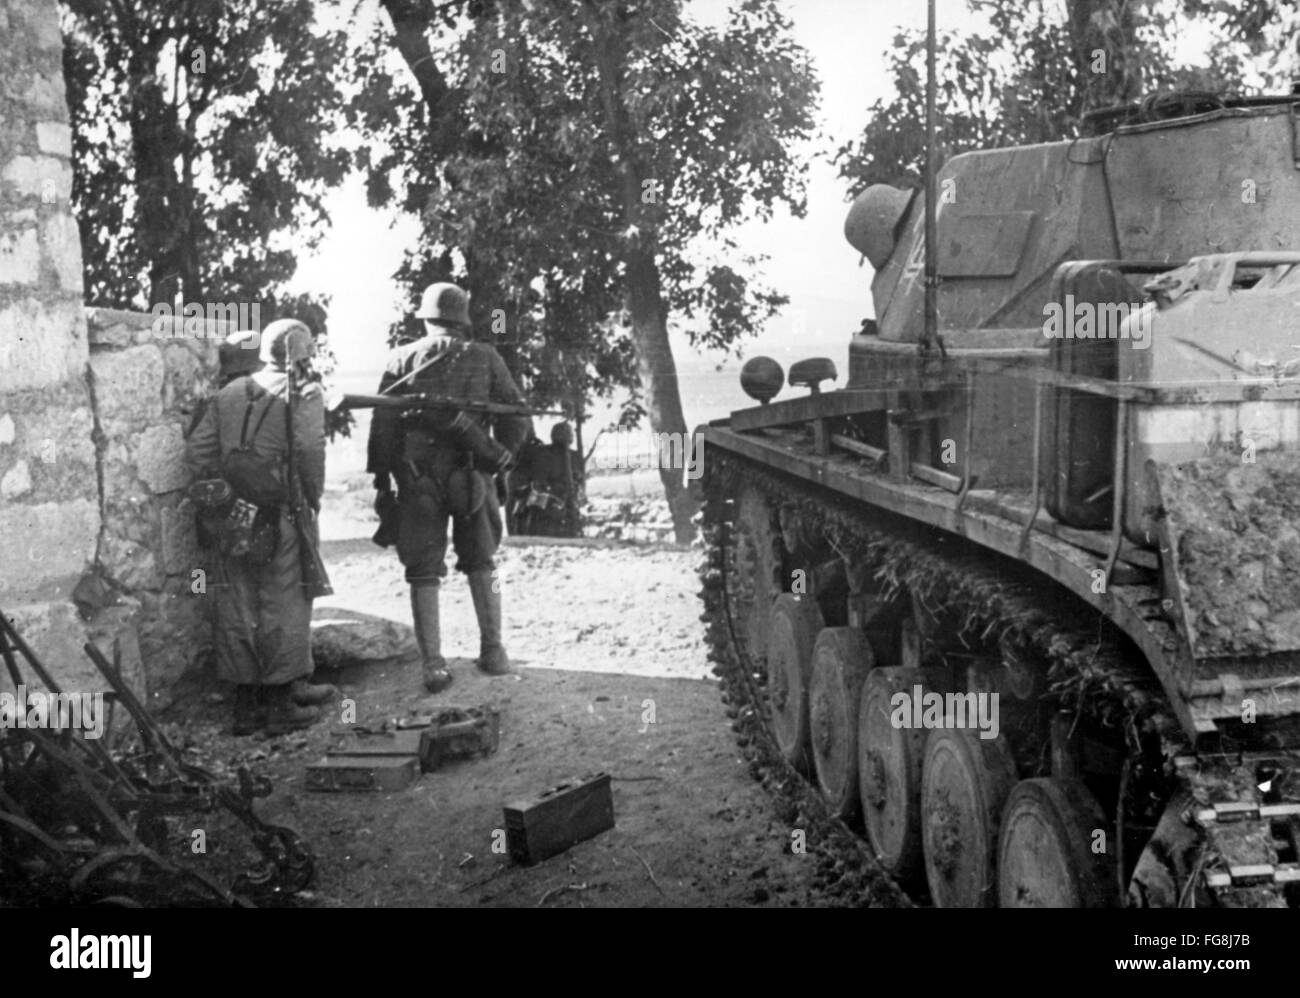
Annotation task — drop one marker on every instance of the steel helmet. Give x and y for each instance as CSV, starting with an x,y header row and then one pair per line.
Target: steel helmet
x,y
444,302
289,336
873,221
238,353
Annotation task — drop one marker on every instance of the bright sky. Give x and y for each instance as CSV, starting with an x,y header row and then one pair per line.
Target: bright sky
x,y
809,259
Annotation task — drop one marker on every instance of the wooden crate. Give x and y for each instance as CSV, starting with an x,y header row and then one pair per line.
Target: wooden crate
x,y
559,818
384,773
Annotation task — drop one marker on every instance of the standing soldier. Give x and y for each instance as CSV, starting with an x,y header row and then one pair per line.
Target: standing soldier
x,y
263,614
237,356
551,489
443,462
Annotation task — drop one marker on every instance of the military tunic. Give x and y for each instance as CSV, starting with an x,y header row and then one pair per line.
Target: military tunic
x,y
407,448
263,619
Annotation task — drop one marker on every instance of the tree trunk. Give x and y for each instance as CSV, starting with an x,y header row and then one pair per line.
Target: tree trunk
x,y
654,357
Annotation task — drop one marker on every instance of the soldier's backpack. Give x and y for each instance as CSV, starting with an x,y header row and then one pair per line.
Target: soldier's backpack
x,y
239,513
253,478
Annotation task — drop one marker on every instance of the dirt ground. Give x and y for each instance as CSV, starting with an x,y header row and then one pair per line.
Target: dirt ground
x,y
601,635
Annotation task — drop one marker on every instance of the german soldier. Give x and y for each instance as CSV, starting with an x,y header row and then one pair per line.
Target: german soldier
x,y
263,617
551,487
442,463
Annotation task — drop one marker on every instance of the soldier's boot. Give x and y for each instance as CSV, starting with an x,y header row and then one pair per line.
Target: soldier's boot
x,y
306,694
424,610
283,715
492,657
250,710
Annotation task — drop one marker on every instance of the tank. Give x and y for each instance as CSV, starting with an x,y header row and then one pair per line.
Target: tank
x,y
1022,607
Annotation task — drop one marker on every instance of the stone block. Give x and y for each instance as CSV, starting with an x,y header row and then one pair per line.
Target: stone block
x,y
116,335
55,633
180,542
190,377
54,138
40,24
16,482
20,257
128,384
56,439
175,641
45,94
47,546
40,344
160,452
39,177
128,561
342,637
115,631
62,242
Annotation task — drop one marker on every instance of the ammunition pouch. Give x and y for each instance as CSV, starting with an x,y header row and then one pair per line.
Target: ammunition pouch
x,y
235,528
465,493
462,432
389,512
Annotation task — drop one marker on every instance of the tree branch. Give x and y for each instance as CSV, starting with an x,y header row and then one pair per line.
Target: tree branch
x,y
410,20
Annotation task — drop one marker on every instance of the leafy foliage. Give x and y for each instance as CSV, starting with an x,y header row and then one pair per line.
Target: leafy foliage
x,y
200,146
1044,65
526,194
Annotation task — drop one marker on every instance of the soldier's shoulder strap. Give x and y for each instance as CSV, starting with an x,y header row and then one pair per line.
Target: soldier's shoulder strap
x,y
453,348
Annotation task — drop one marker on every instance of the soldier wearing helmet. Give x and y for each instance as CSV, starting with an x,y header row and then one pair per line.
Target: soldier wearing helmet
x,y
237,356
549,487
438,480
263,619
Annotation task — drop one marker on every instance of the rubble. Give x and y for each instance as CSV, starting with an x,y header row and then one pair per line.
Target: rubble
x,y
87,816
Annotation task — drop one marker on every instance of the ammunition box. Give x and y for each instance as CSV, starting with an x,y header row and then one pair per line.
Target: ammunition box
x,y
400,743
384,773
457,732
559,818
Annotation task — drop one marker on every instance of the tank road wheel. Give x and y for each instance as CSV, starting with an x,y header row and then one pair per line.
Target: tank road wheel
x,y
756,571
795,623
841,660
1045,857
965,782
889,773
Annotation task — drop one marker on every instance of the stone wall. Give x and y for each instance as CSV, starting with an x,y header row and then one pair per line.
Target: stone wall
x,y
148,377
49,502
93,544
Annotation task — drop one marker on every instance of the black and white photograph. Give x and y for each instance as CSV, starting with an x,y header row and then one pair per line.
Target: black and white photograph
x,y
652,454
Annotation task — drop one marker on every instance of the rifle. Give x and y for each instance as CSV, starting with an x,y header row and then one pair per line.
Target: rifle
x,y
315,579
428,401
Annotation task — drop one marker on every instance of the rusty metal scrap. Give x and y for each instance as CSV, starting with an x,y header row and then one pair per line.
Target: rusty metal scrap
x,y
84,821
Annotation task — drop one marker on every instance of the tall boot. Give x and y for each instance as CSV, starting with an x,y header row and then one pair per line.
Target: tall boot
x,y
305,693
250,710
283,715
424,611
492,657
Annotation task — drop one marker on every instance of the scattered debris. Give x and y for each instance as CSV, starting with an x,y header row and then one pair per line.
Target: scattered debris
x,y
557,891
456,732
84,815
649,872
559,818
369,758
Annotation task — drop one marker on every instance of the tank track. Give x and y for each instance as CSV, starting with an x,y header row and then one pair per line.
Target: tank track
x,y
1088,671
